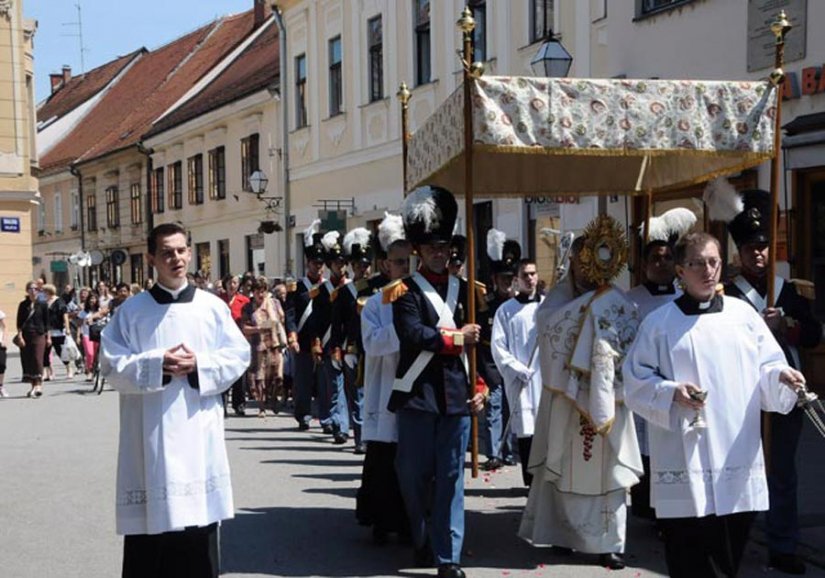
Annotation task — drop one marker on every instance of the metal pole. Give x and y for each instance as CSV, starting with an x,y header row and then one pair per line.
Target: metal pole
x,y
284,93
403,95
467,24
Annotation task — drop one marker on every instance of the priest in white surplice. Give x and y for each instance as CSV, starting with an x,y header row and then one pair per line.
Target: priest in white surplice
x,y
513,346
707,482
584,455
170,353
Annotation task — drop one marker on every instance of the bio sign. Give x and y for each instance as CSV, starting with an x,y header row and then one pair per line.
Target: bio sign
x,y
10,224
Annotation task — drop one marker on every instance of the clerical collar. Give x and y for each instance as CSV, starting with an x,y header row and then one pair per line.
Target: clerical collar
x,y
656,289
164,295
434,278
690,306
524,298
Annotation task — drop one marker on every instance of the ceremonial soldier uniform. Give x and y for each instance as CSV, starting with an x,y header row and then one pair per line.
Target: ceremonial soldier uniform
x,y
431,387
346,329
332,400
305,313
797,327
503,256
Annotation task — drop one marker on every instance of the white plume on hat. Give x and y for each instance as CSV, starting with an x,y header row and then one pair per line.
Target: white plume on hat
x,y
722,200
495,244
419,206
330,240
313,229
672,223
390,230
358,236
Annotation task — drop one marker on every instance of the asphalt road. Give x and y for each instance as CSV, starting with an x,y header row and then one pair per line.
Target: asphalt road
x,y
294,495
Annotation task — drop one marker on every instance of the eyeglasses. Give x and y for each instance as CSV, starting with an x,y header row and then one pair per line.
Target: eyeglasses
x,y
702,264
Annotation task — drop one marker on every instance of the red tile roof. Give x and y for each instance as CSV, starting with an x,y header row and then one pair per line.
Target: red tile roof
x,y
82,87
149,87
255,69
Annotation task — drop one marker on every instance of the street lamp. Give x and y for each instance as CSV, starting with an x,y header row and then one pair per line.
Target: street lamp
x,y
552,59
258,182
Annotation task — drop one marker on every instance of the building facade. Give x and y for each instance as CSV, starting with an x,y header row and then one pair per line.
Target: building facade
x,y
19,196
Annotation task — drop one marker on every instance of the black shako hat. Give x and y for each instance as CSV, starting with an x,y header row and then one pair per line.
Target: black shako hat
x,y
503,254
332,247
429,215
313,247
752,225
358,245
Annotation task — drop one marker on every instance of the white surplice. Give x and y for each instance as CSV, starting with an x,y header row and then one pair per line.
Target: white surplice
x,y
578,495
513,346
381,348
173,470
732,354
647,302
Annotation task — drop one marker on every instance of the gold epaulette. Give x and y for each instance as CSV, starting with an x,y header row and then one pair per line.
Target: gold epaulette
x,y
314,291
334,295
393,291
291,286
720,289
360,303
805,288
361,284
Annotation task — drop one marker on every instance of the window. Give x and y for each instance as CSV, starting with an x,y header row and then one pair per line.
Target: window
x,y
58,213
223,257
375,44
157,191
176,185
336,81
112,208
203,259
195,179
217,173
75,213
649,6
423,71
541,19
249,159
136,204
91,212
137,267
479,8
300,91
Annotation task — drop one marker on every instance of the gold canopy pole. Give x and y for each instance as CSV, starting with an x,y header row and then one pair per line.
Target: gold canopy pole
x,y
403,95
780,27
467,24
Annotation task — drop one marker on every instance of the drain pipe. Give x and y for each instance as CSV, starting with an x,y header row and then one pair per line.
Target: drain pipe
x,y
76,172
282,77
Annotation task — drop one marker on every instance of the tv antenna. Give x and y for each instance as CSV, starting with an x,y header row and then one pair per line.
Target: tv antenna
x,y
79,35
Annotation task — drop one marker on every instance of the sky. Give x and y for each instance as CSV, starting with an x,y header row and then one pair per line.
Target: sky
x,y
111,28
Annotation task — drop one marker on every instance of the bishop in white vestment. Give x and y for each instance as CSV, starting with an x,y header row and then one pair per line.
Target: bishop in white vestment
x,y
170,353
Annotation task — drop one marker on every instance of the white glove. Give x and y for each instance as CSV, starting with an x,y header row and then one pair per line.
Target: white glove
x,y
351,360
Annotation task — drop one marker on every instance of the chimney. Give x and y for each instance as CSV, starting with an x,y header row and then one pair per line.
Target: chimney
x,y
260,12
67,74
56,81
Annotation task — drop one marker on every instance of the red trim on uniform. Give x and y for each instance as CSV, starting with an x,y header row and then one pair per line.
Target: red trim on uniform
x,y
449,347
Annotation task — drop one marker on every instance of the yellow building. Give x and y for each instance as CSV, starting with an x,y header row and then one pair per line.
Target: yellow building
x,y
18,156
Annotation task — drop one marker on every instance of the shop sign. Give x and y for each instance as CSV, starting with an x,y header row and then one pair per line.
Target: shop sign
x,y
559,200
807,82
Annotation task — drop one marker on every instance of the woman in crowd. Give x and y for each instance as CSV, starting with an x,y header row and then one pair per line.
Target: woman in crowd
x,y
91,313
2,353
59,328
262,326
32,337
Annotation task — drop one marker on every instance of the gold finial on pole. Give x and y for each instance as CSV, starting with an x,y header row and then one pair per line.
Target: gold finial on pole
x,y
466,23
404,96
